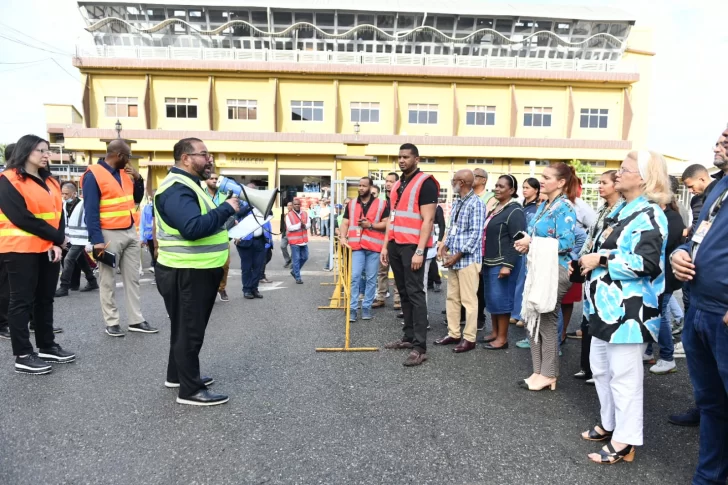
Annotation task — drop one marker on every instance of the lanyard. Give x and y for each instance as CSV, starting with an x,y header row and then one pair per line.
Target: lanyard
x,y
543,213
716,206
461,204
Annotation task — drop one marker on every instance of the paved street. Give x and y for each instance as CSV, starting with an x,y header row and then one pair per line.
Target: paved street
x,y
298,417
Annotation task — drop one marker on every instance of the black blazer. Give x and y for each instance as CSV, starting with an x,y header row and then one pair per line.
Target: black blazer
x,y
499,250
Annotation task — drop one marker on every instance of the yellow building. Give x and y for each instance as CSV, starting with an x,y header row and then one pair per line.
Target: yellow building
x,y
292,97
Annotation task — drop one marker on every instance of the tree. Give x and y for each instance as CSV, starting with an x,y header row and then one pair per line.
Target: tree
x,y
585,171
2,153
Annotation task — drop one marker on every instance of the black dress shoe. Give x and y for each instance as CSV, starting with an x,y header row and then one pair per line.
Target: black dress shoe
x,y
207,381
689,418
5,333
464,346
490,346
400,315
248,296
143,327
204,397
256,294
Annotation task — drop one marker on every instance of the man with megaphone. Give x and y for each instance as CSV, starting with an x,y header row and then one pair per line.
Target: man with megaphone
x,y
192,250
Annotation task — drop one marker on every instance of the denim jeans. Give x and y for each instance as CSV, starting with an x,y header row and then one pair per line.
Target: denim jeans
x,y
674,312
252,261
324,226
363,261
299,256
518,297
664,338
705,338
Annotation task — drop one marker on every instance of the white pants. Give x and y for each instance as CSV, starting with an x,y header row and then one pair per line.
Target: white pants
x,y
618,375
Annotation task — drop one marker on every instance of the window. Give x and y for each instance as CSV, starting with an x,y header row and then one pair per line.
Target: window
x,y
539,163
536,116
427,160
121,107
307,110
242,109
480,161
423,114
594,118
595,163
181,107
442,197
480,115
365,112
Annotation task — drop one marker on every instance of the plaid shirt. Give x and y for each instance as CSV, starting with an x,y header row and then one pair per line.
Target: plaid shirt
x,y
465,235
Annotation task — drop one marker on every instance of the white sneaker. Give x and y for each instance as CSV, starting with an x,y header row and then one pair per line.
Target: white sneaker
x,y
664,367
590,381
679,352
647,357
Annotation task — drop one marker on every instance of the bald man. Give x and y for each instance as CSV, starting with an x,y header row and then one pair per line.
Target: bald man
x,y
109,187
462,256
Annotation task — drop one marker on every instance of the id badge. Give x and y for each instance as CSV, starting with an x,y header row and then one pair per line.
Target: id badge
x,y
606,233
454,230
702,231
391,216
358,231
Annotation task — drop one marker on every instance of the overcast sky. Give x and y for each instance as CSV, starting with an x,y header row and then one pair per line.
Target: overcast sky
x,y
688,108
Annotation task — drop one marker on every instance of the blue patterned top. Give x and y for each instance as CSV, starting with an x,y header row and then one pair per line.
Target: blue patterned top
x,y
558,222
621,300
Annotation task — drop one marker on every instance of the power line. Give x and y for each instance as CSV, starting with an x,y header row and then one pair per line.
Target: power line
x,y
26,62
29,36
64,70
18,41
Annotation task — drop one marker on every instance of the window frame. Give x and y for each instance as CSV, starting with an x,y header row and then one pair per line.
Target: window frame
x,y
180,103
423,111
237,105
594,116
536,116
488,114
116,101
360,106
314,106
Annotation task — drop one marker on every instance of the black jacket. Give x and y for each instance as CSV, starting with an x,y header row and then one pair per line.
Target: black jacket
x,y
675,228
499,233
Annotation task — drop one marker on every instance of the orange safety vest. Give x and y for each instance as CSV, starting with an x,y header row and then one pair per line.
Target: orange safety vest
x,y
46,205
300,236
405,219
117,201
369,239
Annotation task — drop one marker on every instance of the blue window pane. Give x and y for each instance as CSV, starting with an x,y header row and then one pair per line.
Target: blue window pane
x,y
296,114
527,119
546,120
355,115
422,117
603,121
480,118
365,115
374,116
318,114
319,103
433,118
537,120
307,114
603,111
470,118
585,111
412,117
490,119
584,121
593,121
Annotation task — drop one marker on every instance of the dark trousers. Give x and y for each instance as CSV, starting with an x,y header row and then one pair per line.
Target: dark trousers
x,y
4,296
434,275
411,286
76,262
586,339
705,339
150,245
75,279
252,260
32,280
189,295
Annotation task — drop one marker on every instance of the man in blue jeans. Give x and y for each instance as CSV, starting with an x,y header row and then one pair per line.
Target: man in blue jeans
x,y
702,264
297,222
362,228
252,249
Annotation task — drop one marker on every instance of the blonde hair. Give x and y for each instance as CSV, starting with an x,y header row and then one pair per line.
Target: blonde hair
x,y
656,183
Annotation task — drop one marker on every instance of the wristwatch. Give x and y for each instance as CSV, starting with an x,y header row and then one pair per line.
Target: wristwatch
x,y
603,261
419,252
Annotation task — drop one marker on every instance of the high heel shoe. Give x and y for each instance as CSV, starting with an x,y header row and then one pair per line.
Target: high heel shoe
x,y
525,385
594,435
611,457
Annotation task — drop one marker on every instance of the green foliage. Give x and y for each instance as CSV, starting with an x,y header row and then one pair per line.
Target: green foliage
x,y
2,153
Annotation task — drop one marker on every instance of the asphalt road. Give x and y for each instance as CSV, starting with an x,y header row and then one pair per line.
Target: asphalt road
x,y
300,417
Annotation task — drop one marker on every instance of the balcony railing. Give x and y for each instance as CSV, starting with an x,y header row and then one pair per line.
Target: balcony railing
x,y
316,57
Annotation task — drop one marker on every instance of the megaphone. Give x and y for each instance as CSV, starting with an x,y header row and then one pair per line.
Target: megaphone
x,y
262,200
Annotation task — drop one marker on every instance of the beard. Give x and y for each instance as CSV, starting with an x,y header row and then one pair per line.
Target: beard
x,y
720,161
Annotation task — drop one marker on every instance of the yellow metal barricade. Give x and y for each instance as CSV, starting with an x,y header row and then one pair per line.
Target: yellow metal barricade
x,y
338,300
342,297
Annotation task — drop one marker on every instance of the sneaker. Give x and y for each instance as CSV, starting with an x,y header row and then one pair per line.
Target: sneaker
x,y
688,418
203,397
223,295
32,364
523,344
415,358
678,353
664,367
299,282
648,358
114,331
5,333
90,286
352,316
590,381
677,326
378,304
366,314
438,287
208,381
287,265
143,327
61,292
56,354
265,280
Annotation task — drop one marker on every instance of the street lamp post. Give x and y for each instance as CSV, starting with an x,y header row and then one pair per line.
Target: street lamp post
x,y
357,129
117,126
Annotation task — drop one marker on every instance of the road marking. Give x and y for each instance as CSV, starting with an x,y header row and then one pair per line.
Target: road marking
x,y
276,285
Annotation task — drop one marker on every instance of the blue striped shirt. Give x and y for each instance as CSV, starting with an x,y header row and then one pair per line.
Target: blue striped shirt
x,y
467,218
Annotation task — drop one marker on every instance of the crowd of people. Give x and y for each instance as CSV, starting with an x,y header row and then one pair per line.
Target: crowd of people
x,y
524,261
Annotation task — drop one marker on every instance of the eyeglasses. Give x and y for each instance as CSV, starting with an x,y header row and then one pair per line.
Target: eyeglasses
x,y
206,155
481,177
43,152
624,170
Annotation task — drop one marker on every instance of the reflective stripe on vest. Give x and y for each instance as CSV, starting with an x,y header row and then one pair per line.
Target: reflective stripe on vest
x,y
116,207
369,239
43,204
300,236
76,228
177,252
407,221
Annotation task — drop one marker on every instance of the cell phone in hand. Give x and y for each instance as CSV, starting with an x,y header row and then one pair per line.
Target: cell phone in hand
x,y
50,255
519,235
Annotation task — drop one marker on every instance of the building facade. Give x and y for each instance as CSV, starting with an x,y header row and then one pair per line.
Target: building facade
x,y
294,95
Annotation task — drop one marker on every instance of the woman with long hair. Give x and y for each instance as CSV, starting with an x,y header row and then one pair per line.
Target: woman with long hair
x,y
31,235
549,242
625,276
531,192
612,198
501,262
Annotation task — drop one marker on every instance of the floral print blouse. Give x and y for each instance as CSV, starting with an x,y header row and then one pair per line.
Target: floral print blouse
x,y
621,300
557,221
